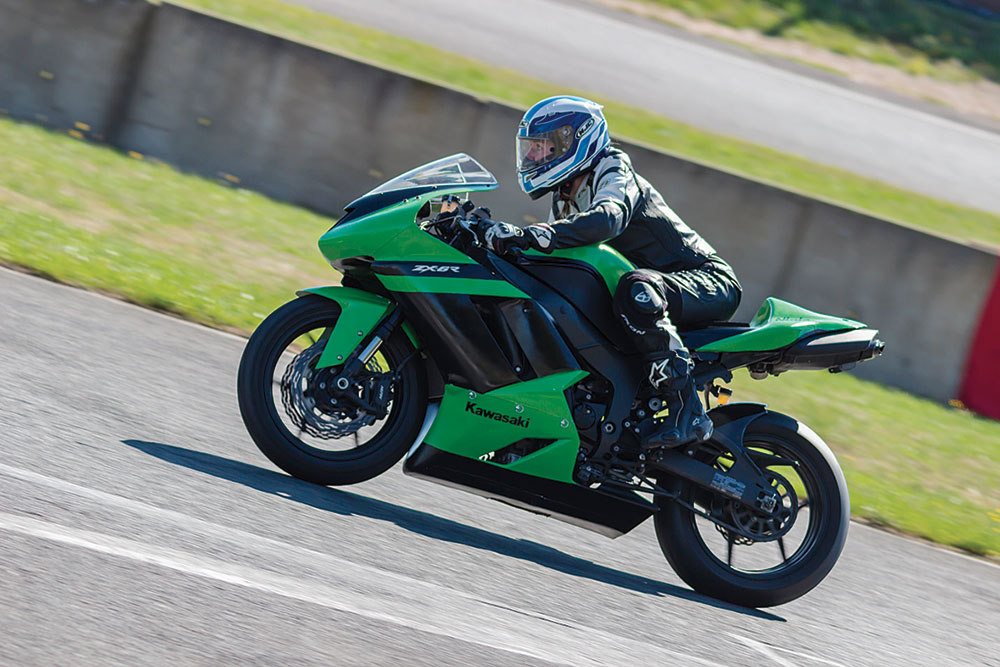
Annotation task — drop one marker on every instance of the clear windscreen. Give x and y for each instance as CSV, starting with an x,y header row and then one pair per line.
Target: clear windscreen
x,y
448,172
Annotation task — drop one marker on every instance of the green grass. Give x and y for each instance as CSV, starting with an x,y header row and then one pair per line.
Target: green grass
x,y
921,38
91,216
87,215
626,122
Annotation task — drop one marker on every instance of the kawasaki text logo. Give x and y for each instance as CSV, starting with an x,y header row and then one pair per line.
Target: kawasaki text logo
x,y
435,268
496,416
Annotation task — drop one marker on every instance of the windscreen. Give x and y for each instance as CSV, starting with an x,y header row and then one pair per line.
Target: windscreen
x,y
454,170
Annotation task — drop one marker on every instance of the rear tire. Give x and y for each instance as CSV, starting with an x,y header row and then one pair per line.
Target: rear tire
x,y
685,539
263,416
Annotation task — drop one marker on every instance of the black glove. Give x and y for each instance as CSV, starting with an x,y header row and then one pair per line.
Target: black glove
x,y
502,237
481,213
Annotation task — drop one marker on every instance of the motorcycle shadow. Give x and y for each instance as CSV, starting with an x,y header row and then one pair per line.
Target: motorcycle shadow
x,y
346,503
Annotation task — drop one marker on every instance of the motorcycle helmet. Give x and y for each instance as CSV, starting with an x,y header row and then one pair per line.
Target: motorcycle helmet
x,y
557,139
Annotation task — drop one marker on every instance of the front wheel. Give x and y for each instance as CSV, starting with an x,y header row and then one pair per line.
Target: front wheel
x,y
311,422
768,563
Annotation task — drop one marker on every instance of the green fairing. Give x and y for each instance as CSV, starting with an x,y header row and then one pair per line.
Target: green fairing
x,y
473,425
391,234
442,285
777,324
360,312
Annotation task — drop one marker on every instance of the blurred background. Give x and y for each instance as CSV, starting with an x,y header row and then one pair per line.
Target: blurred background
x,y
844,156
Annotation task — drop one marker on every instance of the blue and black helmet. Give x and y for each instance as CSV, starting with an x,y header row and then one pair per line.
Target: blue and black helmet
x,y
557,139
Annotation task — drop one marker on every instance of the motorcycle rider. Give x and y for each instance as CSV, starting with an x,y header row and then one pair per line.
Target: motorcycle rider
x,y
563,147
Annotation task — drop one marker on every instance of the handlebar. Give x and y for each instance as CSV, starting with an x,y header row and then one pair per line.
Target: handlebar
x,y
463,226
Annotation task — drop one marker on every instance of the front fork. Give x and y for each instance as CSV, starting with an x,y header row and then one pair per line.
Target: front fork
x,y
365,321
358,359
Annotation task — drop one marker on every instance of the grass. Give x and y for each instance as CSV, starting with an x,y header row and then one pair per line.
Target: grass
x,y
91,216
910,463
772,166
918,37
87,215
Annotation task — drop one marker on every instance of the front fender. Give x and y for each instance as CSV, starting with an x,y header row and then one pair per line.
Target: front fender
x,y
360,312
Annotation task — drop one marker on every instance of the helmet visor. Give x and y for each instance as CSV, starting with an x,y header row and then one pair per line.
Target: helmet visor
x,y
540,149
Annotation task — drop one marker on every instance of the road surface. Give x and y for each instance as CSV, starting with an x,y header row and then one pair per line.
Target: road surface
x,y
139,525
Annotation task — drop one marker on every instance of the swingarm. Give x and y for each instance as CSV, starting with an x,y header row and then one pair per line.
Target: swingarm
x,y
743,482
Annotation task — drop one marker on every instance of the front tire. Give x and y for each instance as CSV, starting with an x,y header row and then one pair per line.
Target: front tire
x,y
705,556
300,425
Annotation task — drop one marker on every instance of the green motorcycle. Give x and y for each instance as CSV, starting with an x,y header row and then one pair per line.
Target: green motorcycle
x,y
510,377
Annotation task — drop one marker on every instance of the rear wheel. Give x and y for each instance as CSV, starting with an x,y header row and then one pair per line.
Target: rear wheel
x,y
311,422
768,561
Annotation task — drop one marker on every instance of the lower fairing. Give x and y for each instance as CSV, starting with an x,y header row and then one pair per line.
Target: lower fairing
x,y
610,513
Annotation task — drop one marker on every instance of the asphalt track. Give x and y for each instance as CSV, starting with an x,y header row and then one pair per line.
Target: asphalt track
x,y
139,525
707,84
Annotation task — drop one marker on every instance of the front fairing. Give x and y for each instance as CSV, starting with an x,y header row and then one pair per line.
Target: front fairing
x,y
391,233
381,224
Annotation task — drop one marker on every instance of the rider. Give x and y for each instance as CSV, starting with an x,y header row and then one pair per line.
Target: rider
x,y
563,147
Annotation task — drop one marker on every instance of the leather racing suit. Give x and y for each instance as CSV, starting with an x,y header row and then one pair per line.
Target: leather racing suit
x,y
680,280
619,207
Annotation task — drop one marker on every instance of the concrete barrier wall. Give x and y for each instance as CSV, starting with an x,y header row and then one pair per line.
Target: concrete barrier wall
x,y
68,61
317,129
924,293
296,122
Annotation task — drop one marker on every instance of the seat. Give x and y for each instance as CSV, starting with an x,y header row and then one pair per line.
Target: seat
x,y
777,324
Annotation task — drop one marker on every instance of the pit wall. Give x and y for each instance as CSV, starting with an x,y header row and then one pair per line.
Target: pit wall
x,y
317,129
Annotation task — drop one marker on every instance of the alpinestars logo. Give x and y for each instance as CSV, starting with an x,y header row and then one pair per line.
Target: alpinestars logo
x,y
436,268
542,235
496,416
658,373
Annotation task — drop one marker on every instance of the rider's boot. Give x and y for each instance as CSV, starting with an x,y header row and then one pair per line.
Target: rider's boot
x,y
641,302
687,420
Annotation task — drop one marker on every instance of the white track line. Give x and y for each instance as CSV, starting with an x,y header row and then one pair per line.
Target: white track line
x,y
765,650
771,651
351,587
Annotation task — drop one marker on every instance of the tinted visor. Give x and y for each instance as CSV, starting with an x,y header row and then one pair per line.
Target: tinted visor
x,y
534,151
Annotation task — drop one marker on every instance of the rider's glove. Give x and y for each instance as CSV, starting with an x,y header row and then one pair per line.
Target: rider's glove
x,y
502,237
481,213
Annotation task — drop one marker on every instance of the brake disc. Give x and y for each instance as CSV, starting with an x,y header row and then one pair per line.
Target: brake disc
x,y
310,401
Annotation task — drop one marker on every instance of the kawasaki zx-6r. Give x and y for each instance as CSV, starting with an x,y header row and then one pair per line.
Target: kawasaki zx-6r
x,y
510,377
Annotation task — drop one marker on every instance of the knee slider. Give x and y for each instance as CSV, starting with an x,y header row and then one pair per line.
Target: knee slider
x,y
641,298
645,300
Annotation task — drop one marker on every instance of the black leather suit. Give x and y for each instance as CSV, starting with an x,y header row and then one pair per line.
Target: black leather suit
x,y
619,207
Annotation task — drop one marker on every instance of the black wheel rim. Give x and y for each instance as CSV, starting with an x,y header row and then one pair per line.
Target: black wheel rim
x,y
769,557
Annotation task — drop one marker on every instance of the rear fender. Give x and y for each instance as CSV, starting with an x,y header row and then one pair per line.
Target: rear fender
x,y
733,412
360,312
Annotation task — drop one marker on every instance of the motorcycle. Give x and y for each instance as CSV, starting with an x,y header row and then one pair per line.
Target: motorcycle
x,y
510,377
